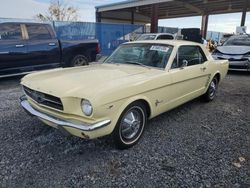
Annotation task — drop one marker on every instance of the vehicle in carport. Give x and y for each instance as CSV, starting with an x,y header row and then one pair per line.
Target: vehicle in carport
x,y
224,38
236,50
156,36
26,47
139,81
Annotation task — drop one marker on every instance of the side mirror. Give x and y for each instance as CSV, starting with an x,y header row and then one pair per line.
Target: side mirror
x,y
184,63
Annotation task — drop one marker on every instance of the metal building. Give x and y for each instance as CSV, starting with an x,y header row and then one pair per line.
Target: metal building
x,y
149,11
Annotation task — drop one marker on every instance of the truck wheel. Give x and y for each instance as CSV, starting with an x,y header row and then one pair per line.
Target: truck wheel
x,y
79,60
130,126
211,91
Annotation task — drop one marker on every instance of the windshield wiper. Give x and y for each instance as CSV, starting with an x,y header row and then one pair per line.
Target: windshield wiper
x,y
136,63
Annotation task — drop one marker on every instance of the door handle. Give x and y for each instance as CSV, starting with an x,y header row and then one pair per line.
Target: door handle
x,y
52,44
203,68
19,45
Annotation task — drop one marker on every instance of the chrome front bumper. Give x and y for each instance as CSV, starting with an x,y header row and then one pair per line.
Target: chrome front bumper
x,y
60,122
239,65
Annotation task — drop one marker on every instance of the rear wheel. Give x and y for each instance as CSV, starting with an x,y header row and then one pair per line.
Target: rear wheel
x,y
79,60
211,91
130,126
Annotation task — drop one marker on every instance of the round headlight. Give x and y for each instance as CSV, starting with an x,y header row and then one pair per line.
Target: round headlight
x,y
86,107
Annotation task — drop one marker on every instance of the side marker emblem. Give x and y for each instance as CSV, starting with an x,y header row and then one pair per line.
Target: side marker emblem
x,y
158,102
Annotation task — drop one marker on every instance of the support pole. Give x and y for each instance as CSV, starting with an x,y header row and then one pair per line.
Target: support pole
x,y
132,16
98,17
204,24
154,18
243,17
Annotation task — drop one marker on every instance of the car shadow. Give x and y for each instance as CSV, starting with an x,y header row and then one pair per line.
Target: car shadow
x,y
55,142
46,137
239,73
10,82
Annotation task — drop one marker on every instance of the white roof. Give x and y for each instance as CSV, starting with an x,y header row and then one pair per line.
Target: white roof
x,y
170,42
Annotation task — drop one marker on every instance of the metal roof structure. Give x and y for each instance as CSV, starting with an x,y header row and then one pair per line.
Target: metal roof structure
x,y
177,8
149,11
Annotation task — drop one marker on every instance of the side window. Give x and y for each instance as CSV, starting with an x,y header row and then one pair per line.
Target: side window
x,y
38,32
10,32
175,63
165,37
189,56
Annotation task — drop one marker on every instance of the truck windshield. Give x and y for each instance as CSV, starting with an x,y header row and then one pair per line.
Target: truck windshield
x,y
242,40
150,55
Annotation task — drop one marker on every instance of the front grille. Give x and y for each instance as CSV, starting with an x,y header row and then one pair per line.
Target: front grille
x,y
238,66
43,98
232,59
243,59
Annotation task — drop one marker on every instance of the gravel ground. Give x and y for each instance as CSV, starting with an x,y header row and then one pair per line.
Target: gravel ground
x,y
196,145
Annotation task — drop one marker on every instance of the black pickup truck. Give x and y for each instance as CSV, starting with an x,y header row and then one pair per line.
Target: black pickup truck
x,y
27,47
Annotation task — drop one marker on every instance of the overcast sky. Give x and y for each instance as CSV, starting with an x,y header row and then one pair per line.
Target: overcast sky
x,y
29,8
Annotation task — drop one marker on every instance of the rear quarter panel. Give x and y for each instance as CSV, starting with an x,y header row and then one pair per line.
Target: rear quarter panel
x,y
221,67
215,66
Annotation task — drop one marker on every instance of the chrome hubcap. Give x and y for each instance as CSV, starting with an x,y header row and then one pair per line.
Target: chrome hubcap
x,y
212,89
130,124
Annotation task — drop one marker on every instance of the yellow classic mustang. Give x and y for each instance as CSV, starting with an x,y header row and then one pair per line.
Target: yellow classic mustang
x,y
139,81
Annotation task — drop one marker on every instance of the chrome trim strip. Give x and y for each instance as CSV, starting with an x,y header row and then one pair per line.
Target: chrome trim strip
x,y
244,70
83,127
15,74
4,52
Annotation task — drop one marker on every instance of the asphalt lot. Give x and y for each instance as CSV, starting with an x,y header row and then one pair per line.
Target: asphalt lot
x,y
196,145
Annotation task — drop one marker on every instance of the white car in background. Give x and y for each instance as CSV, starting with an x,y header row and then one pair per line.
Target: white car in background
x,y
236,50
157,36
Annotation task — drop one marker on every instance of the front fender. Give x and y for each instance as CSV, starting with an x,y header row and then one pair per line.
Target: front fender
x,y
130,100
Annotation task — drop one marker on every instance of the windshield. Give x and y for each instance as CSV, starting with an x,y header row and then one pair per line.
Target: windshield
x,y
147,37
243,40
151,55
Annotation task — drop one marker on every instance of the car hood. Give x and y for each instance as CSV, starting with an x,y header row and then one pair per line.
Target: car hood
x,y
234,50
87,81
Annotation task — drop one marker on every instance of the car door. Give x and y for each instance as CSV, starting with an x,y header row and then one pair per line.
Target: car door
x,y
13,48
189,73
43,47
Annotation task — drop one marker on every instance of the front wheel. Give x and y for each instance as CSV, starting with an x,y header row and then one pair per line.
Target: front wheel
x,y
130,126
211,91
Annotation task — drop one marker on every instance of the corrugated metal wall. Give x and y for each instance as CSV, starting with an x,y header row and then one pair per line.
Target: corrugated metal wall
x,y
109,35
